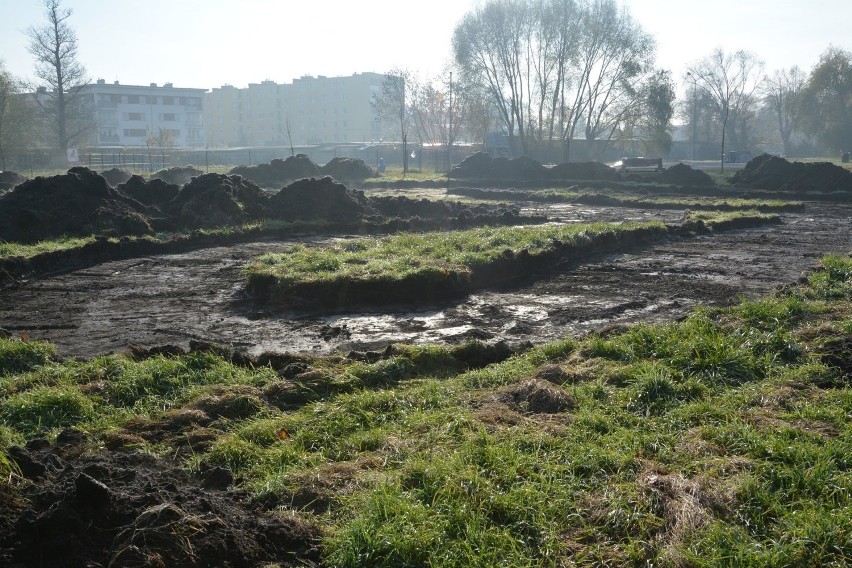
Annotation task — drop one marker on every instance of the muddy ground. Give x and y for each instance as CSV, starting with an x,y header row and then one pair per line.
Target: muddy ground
x,y
199,295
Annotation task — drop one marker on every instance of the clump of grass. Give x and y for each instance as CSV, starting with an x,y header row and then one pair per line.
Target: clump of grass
x,y
18,356
44,408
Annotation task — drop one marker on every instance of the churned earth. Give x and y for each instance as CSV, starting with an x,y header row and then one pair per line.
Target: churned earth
x,y
172,299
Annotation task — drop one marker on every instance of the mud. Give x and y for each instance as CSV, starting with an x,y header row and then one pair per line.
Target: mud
x,y
9,179
129,508
171,299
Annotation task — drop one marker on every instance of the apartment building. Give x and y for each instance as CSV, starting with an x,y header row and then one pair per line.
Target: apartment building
x,y
127,115
310,110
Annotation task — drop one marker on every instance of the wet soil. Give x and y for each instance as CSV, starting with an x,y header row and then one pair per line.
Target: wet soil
x,y
171,299
128,508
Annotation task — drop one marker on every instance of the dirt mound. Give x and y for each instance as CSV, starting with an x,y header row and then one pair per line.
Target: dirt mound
x,y
177,175
155,192
774,173
321,198
134,509
681,174
348,169
279,172
213,200
116,176
80,202
8,180
584,171
536,396
482,166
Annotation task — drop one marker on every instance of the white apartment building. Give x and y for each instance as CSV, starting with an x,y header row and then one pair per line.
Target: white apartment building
x,y
127,115
310,110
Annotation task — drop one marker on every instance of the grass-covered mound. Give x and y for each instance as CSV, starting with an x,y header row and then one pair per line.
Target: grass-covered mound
x,y
723,439
418,268
422,267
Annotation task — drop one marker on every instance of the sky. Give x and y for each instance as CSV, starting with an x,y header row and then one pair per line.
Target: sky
x,y
209,43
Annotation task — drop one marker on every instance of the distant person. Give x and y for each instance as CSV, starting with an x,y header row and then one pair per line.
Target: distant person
x,y
381,166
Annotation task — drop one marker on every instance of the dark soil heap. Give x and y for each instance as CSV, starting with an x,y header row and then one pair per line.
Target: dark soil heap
x,y
177,175
321,198
279,172
155,192
8,180
80,202
214,200
774,173
482,166
134,509
681,174
584,171
347,169
116,176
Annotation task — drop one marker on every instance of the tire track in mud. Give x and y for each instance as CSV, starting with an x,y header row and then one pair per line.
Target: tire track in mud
x,y
198,295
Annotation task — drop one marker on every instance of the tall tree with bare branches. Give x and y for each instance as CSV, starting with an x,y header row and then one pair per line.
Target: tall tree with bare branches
x,y
54,47
731,80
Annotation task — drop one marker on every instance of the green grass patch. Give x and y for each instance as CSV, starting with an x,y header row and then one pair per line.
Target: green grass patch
x,y
409,255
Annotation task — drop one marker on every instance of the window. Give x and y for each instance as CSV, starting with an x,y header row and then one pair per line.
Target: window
x,y
168,117
135,132
168,100
150,99
133,99
133,116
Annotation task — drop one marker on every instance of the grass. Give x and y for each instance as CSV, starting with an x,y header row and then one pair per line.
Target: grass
x,y
720,440
407,255
623,198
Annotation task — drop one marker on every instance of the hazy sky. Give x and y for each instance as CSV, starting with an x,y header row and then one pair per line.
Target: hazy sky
x,y
207,43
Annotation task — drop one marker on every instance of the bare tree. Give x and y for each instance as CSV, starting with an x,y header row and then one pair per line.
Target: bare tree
x,y
731,81
16,125
163,142
391,106
782,94
616,56
54,47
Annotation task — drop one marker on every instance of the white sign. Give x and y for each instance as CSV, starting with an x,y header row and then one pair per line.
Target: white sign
x,y
73,157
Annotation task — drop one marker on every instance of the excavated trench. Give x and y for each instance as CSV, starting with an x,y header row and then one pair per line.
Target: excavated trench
x,y
171,299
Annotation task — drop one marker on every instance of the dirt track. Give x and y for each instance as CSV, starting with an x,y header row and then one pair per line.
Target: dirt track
x,y
197,295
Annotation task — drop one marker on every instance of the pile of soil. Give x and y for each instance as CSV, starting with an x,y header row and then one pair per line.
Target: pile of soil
x,y
279,172
535,396
135,509
348,169
584,171
482,166
80,202
177,175
213,200
681,174
8,180
322,198
116,176
155,193
774,173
